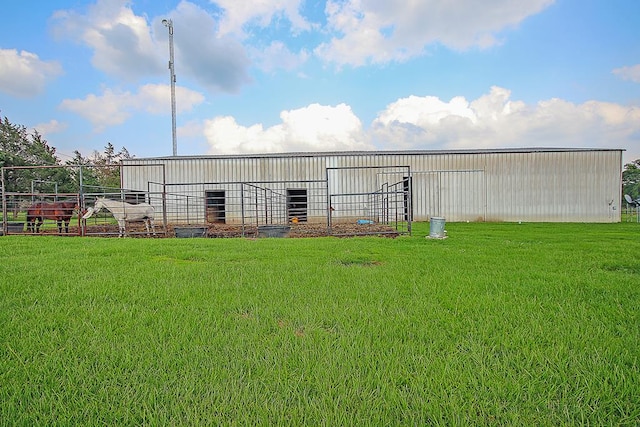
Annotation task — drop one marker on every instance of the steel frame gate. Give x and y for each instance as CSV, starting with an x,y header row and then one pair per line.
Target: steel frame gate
x,y
370,195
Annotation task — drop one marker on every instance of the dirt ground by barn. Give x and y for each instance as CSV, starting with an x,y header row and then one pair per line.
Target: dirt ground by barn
x,y
306,230
230,231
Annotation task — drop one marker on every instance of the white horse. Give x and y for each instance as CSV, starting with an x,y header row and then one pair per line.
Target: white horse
x,y
124,212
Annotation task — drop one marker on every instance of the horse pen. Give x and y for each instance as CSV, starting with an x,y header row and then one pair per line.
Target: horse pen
x,y
80,216
304,208
28,214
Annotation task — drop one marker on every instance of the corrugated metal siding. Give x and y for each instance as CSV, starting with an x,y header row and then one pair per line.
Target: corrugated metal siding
x,y
501,185
554,186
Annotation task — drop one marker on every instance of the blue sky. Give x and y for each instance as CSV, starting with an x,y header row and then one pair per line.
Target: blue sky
x,y
295,75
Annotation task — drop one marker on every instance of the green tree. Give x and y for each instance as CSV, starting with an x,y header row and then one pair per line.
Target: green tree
x,y
107,165
80,173
18,147
100,171
631,179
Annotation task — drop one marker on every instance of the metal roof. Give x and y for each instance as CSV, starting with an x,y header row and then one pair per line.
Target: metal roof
x,y
375,153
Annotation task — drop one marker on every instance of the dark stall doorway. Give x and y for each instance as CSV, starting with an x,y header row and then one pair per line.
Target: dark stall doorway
x,y
215,207
297,204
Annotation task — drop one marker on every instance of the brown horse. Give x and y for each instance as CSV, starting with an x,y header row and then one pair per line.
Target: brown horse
x,y
58,211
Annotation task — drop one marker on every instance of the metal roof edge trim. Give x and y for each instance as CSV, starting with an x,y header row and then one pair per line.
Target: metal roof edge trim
x,y
372,153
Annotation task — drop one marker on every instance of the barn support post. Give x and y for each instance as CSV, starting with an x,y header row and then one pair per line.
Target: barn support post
x,y
257,211
242,209
329,207
266,208
385,202
4,206
409,201
486,195
81,222
188,218
164,198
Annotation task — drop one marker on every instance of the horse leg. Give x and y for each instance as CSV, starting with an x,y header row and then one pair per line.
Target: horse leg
x,y
121,226
59,224
153,226
66,226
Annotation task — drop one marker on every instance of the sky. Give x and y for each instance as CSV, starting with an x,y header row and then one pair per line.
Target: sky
x,y
279,76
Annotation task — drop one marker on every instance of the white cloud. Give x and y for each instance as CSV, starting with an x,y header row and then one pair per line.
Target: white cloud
x,y
105,110
155,99
192,129
126,46
494,121
24,74
629,73
211,53
216,61
374,31
313,128
261,13
278,56
121,41
425,111
114,108
50,127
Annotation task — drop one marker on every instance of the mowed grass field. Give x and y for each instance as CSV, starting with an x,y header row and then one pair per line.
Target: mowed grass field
x,y
500,324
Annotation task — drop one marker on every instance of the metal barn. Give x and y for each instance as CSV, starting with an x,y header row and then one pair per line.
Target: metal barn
x,y
534,185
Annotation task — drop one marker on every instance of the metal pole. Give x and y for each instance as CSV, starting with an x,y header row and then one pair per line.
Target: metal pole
x,y
172,76
329,201
82,223
164,198
242,206
5,217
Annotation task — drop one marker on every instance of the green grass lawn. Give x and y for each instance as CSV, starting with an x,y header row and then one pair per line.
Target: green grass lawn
x,y
500,324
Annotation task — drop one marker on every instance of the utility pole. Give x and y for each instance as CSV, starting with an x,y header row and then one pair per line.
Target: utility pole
x,y
172,76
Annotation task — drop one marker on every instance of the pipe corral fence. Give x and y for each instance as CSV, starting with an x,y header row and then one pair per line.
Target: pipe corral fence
x,y
379,204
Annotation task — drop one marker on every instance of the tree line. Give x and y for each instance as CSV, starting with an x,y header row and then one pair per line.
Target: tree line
x,y
19,147
631,179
